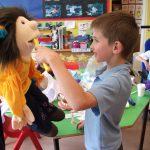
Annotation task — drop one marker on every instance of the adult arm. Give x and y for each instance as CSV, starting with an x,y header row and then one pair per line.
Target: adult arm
x,y
144,60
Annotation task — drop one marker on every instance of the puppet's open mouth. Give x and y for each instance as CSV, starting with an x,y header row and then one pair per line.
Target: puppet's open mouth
x,y
31,41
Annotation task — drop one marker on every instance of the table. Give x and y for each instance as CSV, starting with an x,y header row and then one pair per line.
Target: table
x,y
132,113
129,118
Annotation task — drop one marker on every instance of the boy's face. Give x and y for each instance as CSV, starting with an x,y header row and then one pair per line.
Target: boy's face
x,y
103,51
26,31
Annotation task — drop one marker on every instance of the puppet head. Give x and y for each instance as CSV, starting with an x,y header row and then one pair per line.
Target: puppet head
x,y
18,31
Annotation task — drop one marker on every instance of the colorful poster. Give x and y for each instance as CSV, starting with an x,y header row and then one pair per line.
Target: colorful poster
x,y
125,1
139,1
125,8
131,1
138,12
53,10
132,9
74,10
95,9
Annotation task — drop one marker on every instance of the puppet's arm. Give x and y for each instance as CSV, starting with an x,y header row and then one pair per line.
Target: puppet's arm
x,y
41,80
14,96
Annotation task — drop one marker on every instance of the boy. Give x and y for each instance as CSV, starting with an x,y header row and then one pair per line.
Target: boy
x,y
114,36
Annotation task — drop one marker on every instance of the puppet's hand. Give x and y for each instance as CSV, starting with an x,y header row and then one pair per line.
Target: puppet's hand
x,y
28,115
18,123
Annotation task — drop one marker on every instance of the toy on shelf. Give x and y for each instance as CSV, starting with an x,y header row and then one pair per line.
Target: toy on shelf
x,y
81,43
58,38
68,39
54,37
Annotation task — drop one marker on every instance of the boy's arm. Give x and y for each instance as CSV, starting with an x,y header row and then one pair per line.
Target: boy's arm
x,y
72,91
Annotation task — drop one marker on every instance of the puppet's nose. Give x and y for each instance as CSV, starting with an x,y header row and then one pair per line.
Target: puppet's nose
x,y
33,25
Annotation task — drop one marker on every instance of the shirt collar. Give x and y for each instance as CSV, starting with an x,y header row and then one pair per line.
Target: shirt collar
x,y
103,73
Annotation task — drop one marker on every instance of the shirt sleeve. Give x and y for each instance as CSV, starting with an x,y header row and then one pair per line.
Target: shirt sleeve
x,y
145,55
106,93
13,93
34,73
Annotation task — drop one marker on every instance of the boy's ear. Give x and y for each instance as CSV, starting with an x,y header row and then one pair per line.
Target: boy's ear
x,y
117,49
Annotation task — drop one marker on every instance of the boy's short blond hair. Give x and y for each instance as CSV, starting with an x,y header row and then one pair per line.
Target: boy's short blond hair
x,y
118,26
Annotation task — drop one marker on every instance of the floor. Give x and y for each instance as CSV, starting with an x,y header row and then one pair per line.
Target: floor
x,y
131,137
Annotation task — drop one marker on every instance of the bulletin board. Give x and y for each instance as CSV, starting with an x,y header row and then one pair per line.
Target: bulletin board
x,y
135,8
74,8
40,9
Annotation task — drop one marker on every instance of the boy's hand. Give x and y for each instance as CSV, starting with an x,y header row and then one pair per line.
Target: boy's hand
x,y
44,83
80,124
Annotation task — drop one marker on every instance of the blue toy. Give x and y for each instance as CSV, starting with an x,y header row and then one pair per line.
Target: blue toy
x,y
131,102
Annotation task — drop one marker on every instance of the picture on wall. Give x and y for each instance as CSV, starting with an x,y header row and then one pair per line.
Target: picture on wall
x,y
53,10
74,8
139,1
95,9
125,1
131,1
135,8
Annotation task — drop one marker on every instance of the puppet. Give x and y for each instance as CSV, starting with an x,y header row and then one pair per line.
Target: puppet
x,y
17,72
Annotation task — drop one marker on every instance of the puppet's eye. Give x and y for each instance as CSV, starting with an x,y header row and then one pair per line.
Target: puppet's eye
x,y
23,22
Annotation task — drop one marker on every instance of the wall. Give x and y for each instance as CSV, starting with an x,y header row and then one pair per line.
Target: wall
x,y
33,7
148,19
